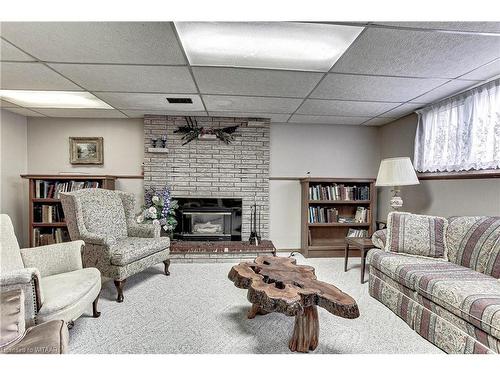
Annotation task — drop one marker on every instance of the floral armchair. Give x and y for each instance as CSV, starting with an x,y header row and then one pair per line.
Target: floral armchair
x,y
114,242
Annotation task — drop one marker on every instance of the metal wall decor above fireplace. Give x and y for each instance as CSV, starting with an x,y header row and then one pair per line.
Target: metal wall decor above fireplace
x,y
208,219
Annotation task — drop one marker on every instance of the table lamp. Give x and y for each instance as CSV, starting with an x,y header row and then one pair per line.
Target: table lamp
x,y
396,172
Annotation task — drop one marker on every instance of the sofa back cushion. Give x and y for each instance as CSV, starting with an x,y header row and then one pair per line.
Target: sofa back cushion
x,y
417,235
474,242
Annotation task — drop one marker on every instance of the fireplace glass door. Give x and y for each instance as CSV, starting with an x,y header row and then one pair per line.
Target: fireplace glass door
x,y
201,225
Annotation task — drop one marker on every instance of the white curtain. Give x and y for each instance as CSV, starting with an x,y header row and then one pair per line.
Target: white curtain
x,y
460,133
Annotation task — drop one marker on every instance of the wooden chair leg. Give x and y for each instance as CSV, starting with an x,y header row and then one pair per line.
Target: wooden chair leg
x,y
119,288
96,313
167,264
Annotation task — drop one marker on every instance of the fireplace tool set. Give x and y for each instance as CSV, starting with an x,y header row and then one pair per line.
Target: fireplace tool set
x,y
254,225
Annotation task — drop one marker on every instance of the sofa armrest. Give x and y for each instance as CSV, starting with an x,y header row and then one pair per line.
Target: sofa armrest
x,y
12,318
379,238
28,280
54,259
144,230
95,239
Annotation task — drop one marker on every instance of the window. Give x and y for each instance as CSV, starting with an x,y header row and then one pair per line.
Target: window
x,y
461,133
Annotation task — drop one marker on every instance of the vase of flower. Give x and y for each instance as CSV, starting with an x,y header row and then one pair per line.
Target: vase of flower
x,y
159,209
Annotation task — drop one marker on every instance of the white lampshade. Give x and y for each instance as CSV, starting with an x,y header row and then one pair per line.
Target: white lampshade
x,y
396,172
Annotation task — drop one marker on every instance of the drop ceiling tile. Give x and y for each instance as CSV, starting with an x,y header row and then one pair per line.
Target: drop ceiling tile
x,y
81,112
24,112
136,113
402,110
481,27
97,42
332,120
6,104
485,72
360,87
417,53
149,101
275,117
344,108
444,91
259,82
9,52
129,78
32,76
378,121
250,104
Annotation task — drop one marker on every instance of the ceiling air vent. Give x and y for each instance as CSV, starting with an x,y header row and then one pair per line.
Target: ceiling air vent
x,y
180,100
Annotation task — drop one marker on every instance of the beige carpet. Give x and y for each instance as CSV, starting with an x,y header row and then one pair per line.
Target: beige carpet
x,y
198,310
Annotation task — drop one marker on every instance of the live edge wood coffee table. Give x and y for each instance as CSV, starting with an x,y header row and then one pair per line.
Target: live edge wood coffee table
x,y
278,284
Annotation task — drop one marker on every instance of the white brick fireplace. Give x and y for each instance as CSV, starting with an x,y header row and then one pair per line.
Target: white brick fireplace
x,y
210,168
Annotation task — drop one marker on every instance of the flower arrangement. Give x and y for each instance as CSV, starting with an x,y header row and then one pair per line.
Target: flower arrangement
x,y
159,209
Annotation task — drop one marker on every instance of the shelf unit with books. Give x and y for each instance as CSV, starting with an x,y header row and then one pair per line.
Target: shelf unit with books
x,y
46,217
331,209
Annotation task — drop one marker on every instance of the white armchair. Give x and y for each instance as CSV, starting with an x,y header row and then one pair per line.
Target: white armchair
x,y
52,277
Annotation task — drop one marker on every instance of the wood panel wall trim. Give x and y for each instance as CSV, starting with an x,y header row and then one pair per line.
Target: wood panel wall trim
x,y
465,175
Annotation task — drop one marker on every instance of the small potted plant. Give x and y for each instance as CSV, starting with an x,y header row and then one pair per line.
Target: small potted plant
x,y
159,209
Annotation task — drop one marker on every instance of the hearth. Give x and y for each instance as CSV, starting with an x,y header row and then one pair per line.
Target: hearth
x,y
208,219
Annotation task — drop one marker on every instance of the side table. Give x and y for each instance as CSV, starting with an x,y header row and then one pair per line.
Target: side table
x,y
363,245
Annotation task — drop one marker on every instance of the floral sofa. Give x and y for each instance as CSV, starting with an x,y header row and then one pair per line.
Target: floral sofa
x,y
454,304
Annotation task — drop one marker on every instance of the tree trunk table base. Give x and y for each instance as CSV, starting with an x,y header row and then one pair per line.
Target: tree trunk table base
x,y
278,284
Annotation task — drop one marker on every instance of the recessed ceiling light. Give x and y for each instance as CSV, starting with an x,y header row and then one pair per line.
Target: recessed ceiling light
x,y
53,99
274,45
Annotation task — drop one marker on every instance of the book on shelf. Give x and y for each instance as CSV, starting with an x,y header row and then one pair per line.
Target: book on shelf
x,y
52,236
323,215
51,189
47,213
357,232
339,192
362,215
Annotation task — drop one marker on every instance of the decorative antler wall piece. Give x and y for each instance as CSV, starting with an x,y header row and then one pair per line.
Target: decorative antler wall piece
x,y
193,131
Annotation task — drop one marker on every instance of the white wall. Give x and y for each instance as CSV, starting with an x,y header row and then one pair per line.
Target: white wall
x,y
434,197
325,151
48,147
13,162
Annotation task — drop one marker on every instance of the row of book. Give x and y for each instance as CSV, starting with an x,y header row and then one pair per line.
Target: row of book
x,y
336,192
357,232
318,214
49,189
47,213
49,237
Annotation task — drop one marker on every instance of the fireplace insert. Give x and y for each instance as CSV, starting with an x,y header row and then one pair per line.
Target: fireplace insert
x,y
208,219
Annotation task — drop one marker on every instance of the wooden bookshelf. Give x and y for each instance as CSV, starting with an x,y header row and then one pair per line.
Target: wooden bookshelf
x,y
104,181
327,239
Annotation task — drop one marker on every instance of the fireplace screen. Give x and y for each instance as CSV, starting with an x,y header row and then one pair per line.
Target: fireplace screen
x,y
204,225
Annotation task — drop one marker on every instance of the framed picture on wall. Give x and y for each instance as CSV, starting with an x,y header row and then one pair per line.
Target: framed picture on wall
x,y
86,150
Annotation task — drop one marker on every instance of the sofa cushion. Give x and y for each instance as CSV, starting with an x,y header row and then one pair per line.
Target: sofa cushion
x,y
64,290
379,238
416,235
46,338
12,323
131,249
469,294
408,269
474,242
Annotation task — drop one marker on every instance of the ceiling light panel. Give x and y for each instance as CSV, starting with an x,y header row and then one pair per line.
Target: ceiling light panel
x,y
273,45
53,99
